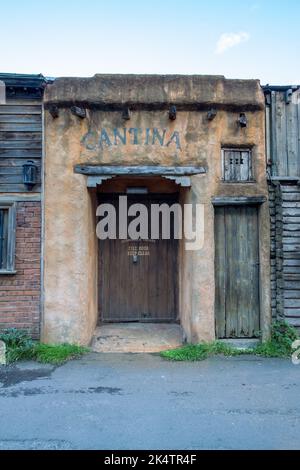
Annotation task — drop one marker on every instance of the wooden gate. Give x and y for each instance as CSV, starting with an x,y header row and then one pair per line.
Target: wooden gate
x,y
236,271
138,279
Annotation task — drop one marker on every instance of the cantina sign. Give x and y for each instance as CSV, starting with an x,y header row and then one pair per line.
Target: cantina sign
x,y
110,138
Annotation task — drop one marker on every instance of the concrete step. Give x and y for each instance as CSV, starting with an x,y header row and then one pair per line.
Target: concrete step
x,y
136,337
242,344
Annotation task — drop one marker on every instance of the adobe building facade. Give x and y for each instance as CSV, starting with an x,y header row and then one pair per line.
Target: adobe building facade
x,y
190,139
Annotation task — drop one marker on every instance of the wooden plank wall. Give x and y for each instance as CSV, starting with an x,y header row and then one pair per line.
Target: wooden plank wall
x,y
283,127
20,140
273,256
285,252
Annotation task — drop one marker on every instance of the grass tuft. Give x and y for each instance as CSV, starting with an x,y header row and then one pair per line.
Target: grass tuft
x,y
19,346
280,345
199,352
58,353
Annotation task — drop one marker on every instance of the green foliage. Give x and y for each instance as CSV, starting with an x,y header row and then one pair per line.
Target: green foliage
x,y
199,352
58,353
19,346
279,345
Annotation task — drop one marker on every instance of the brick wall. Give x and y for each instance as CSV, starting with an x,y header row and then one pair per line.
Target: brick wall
x,y
20,293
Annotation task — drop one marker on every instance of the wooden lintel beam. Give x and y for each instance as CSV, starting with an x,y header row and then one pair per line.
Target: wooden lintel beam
x,y
238,200
139,170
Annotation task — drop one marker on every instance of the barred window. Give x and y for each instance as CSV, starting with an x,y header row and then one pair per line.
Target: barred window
x,y
7,237
237,165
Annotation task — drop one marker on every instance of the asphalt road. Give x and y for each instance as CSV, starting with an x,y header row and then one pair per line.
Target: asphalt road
x,y
114,401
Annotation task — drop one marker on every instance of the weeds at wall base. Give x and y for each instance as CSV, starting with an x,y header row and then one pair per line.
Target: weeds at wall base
x,y
19,346
279,345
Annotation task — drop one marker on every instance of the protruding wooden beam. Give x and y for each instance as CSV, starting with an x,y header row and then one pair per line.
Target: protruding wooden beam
x,y
126,115
211,114
80,112
243,120
172,113
54,111
288,96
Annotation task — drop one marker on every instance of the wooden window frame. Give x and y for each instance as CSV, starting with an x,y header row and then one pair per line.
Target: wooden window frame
x,y
238,149
11,237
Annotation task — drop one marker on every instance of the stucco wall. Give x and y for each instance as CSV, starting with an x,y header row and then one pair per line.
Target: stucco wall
x,y
70,248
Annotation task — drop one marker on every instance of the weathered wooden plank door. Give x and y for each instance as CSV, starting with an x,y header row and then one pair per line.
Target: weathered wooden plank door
x,y
138,279
237,272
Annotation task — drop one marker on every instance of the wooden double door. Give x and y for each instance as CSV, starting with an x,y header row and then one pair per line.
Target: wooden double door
x,y
138,279
237,307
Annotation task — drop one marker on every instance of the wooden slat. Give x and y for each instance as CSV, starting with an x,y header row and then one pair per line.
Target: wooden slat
x,y
16,162
10,170
281,135
290,221
289,189
11,178
294,321
293,313
20,144
291,262
291,230
291,196
291,204
274,150
288,255
245,168
291,303
292,294
292,136
21,153
290,240
291,248
231,296
12,127
20,109
16,188
20,136
291,285
220,272
20,118
291,269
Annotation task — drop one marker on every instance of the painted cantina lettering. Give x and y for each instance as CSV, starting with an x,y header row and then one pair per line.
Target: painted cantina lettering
x,y
93,140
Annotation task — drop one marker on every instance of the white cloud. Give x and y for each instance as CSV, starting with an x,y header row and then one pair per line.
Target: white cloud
x,y
228,40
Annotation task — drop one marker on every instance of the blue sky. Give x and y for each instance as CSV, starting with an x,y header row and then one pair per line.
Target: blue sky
x,y
235,38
